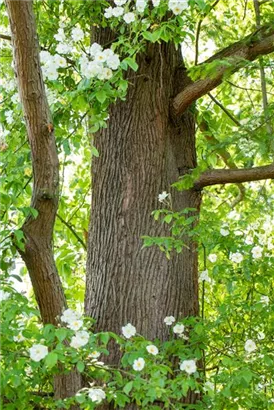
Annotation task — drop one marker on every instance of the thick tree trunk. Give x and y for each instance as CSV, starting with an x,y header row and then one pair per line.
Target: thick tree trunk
x,y
142,152
38,252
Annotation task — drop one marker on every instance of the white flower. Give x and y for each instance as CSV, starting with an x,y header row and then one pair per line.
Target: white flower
x,y
92,69
69,315
108,13
224,232
38,352
118,11
249,240
236,257
59,61
129,17
113,61
45,56
179,329
138,364
94,49
50,72
9,116
63,48
4,295
141,5
100,57
96,395
257,252
250,346
204,276
152,350
164,195
77,34
212,257
80,339
105,74
261,335
128,331
177,6
19,338
156,3
95,354
169,320
75,324
60,36
120,2
264,300
189,366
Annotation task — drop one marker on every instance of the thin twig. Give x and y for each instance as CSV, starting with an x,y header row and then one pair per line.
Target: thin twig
x,y
225,110
71,228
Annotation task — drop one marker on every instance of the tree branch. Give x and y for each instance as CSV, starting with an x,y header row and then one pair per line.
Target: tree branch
x,y
234,176
261,42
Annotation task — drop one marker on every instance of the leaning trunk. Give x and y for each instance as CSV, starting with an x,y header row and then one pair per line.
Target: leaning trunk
x,y
38,232
143,150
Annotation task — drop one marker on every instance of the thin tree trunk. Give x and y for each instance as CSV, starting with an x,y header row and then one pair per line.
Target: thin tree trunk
x,y
38,252
142,152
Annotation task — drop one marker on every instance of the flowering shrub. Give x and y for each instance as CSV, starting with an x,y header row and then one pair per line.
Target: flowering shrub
x,y
150,373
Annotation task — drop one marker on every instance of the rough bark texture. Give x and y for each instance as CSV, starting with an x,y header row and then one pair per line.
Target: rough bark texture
x,y
38,252
249,48
142,152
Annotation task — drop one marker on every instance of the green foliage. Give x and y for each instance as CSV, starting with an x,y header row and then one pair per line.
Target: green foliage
x,y
236,297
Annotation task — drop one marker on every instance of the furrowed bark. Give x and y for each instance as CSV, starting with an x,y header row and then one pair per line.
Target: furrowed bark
x,y
234,176
38,253
142,152
251,47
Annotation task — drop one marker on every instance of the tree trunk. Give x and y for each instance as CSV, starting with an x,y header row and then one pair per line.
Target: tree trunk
x,y
142,152
38,253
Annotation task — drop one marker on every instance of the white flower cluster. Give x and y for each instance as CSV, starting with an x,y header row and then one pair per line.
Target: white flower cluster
x,y
178,329
101,64
74,322
50,64
176,6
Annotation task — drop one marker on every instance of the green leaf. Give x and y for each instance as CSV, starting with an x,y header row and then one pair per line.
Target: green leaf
x,y
80,366
51,360
101,96
94,151
132,63
127,388
61,334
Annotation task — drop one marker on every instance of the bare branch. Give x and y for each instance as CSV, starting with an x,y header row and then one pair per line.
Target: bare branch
x,y
234,176
251,47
